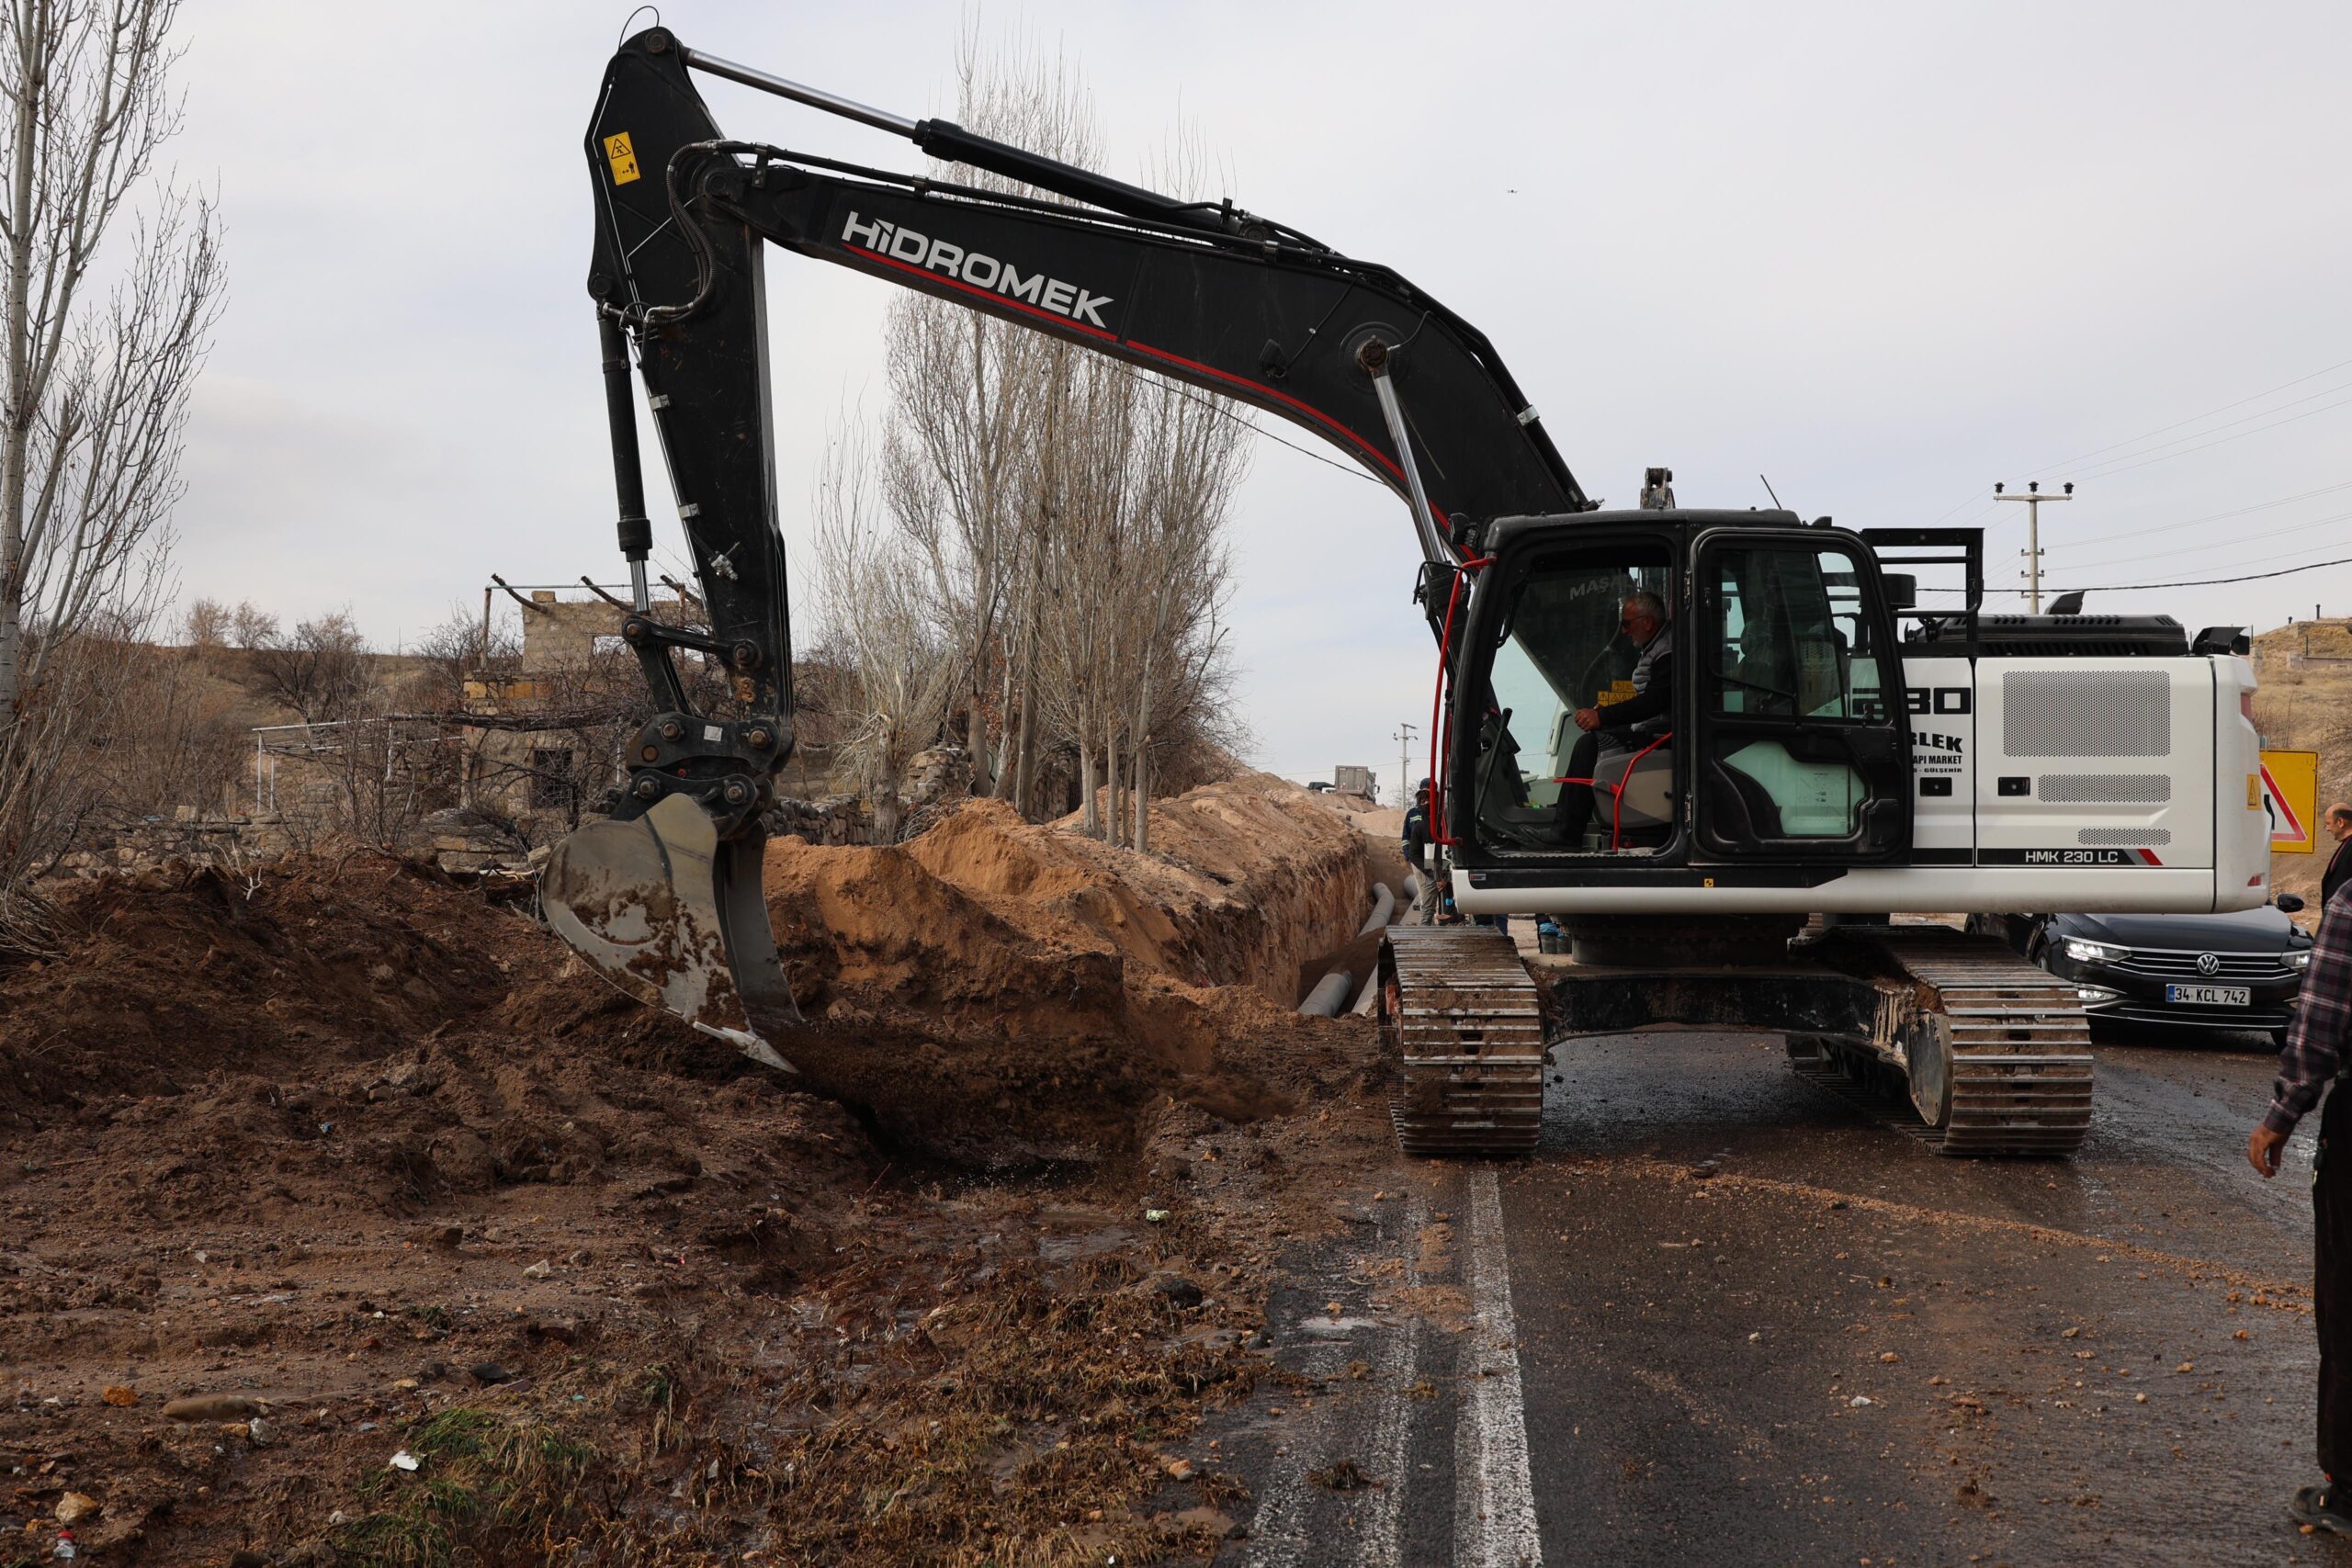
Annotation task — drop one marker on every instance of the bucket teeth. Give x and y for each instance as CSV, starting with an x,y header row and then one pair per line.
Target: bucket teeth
x,y
1469,1038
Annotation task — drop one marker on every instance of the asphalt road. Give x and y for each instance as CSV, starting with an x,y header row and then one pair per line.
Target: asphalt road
x,y
1724,1317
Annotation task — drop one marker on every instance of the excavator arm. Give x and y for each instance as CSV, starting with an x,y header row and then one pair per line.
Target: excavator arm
x,y
665,894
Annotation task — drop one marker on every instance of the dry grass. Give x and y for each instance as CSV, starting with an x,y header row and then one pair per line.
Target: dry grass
x,y
488,1491
1019,1425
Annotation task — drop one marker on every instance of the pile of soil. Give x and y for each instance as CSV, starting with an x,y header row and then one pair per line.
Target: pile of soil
x,y
1001,993
378,1166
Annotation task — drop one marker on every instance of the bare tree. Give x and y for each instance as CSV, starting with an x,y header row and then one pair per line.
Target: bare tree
x,y
562,755
206,625
872,605
319,670
251,626
95,393
466,646
179,739
1137,475
1193,459
1036,527
964,393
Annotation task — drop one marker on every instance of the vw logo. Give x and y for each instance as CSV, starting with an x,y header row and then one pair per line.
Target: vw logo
x,y
2208,964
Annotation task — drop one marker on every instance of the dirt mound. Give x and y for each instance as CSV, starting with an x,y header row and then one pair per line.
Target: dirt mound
x,y
259,1035
172,975
349,1146
996,991
993,992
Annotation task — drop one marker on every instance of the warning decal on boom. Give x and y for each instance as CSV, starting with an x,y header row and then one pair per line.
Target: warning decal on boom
x,y
623,156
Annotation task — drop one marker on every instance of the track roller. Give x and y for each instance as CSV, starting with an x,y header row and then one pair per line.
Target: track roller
x,y
1994,1051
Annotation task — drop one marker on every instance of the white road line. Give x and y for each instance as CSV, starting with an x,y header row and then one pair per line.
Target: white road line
x,y
1278,1537
1391,1429
1494,1494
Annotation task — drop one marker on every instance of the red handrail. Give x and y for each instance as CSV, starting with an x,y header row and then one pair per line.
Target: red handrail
x,y
1617,790
1444,746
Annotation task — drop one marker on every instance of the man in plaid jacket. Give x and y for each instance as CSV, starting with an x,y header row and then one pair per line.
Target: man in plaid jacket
x,y
2318,1051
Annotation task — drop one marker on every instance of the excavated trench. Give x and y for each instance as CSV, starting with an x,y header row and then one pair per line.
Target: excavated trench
x,y
1001,994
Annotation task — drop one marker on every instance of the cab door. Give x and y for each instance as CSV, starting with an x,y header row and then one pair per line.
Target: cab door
x,y
1795,687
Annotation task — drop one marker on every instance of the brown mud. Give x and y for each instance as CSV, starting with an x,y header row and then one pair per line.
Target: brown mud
x,y
389,1165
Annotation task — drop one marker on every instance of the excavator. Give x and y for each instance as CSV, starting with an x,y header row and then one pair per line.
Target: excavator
x,y
1829,754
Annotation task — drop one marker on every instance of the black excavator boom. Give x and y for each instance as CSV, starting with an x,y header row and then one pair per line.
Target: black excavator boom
x,y
665,893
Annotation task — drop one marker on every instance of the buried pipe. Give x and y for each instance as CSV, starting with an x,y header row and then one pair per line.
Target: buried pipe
x,y
1331,993
1365,996
1383,905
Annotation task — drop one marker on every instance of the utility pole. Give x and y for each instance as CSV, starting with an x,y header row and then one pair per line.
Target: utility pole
x,y
2033,498
1404,739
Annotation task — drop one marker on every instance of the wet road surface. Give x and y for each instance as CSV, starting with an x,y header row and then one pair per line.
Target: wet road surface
x,y
1724,1318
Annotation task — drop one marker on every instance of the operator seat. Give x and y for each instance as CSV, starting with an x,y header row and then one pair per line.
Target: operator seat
x,y
1633,796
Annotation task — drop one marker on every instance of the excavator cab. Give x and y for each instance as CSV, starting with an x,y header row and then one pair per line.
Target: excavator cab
x,y
1780,736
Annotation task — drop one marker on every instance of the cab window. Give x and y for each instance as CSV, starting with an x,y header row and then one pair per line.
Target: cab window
x,y
1559,649
1789,641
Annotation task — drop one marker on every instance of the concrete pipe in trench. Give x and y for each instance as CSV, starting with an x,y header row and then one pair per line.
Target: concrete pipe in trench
x,y
1330,994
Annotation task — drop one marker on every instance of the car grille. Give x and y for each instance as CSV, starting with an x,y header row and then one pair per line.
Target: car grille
x,y
2235,967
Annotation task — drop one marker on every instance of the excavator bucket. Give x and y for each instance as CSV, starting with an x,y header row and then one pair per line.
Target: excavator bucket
x,y
677,919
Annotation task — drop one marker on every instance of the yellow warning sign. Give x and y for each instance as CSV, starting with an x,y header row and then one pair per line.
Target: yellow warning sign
x,y
2290,795
624,158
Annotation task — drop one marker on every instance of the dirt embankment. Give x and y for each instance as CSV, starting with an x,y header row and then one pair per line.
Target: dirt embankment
x,y
995,991
2304,703
386,1169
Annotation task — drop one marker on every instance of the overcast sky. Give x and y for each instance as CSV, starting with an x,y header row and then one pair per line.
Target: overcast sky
x,y
1884,255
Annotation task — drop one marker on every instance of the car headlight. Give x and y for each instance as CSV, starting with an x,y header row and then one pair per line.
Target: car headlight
x,y
2297,958
2083,952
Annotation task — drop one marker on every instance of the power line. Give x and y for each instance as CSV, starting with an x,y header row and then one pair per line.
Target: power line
x,y
2198,582
1954,507
2215,582
1188,394
2110,472
2243,419
2194,419
2209,517
2238,542
2220,440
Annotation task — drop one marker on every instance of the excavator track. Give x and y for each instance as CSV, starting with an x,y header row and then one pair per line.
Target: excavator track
x,y
1461,1011
1996,1051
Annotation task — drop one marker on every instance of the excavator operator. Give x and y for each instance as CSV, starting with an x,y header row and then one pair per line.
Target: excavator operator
x,y
1649,711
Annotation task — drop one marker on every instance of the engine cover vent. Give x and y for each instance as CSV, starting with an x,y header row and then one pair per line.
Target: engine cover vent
x,y
2105,789
2089,713
2123,838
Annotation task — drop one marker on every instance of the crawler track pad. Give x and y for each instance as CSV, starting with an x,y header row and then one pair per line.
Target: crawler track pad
x,y
677,919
